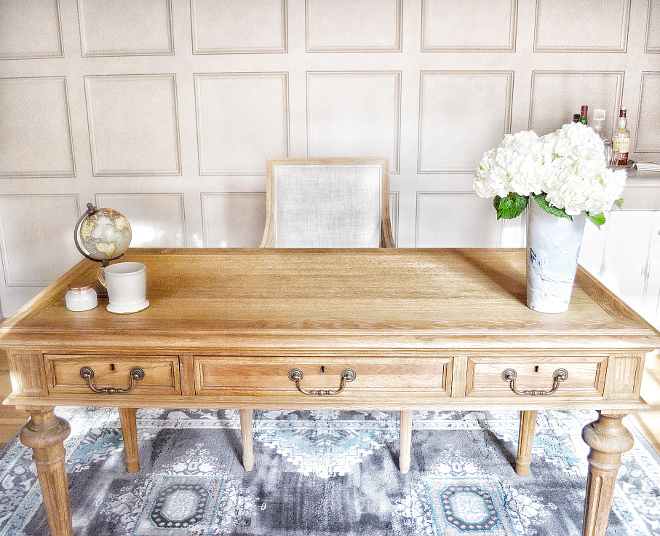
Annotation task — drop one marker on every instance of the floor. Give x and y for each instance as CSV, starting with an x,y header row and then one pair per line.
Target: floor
x,y
648,422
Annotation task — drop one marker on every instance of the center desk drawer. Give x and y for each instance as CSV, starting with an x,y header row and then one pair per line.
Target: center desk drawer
x,y
161,374
236,376
579,376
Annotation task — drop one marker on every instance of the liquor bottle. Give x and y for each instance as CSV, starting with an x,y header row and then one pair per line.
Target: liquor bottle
x,y
621,140
576,118
583,115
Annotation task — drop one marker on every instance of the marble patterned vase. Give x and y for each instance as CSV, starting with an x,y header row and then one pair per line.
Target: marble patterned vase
x,y
553,248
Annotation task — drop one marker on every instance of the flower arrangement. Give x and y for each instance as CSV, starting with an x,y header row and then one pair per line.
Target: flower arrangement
x,y
565,171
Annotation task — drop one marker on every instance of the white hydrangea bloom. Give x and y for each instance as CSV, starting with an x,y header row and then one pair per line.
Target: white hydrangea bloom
x,y
568,165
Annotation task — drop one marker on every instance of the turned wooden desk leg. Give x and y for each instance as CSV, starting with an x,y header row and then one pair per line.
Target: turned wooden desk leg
x,y
405,439
608,438
246,437
525,441
44,434
128,421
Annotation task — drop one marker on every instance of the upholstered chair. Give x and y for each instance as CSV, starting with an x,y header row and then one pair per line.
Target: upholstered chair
x,y
327,203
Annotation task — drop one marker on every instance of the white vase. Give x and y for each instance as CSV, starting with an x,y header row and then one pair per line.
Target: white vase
x,y
553,248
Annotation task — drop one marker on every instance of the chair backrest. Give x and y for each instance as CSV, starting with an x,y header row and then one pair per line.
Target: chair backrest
x,y
327,203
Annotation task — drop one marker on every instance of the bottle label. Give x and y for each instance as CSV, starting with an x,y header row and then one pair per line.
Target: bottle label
x,y
622,145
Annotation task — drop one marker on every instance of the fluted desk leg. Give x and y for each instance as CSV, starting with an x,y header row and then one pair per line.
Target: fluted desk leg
x,y
44,433
608,438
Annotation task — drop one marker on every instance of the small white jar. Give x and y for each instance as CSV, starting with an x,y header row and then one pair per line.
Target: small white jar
x,y
80,297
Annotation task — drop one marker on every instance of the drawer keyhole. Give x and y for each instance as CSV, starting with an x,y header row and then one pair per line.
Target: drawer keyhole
x,y
322,369
536,368
112,366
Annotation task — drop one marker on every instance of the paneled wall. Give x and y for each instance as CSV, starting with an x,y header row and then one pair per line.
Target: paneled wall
x,y
166,110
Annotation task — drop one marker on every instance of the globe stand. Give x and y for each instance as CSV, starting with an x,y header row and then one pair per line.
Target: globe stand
x,y
101,291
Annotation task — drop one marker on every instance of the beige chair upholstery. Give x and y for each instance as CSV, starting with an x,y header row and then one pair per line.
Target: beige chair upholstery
x,y
327,203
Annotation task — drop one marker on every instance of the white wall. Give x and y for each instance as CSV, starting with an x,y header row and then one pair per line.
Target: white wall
x,y
167,109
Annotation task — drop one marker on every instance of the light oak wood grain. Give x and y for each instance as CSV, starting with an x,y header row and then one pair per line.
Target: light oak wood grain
x,y
423,329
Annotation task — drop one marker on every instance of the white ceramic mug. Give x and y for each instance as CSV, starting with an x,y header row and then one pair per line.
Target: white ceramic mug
x,y
127,286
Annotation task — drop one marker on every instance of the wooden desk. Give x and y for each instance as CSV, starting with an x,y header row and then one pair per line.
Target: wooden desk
x,y
416,329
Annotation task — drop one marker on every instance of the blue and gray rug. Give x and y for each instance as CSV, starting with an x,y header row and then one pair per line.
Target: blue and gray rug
x,y
321,473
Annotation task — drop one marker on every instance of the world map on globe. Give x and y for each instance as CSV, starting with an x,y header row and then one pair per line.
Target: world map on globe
x,y
105,234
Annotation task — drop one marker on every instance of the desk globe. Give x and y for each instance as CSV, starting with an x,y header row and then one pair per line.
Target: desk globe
x,y
102,234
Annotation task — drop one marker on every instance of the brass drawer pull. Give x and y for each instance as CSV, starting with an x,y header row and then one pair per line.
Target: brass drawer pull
x,y
347,375
87,373
510,375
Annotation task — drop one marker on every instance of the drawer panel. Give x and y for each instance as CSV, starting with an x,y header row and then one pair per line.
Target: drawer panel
x,y
227,375
586,376
161,374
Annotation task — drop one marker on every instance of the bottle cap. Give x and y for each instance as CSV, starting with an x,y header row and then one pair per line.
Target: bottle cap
x,y
584,110
78,286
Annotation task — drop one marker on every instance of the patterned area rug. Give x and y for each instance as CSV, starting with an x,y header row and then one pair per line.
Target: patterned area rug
x,y
327,473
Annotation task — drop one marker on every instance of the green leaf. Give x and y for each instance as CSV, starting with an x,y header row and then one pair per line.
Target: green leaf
x,y
619,202
510,206
597,219
559,212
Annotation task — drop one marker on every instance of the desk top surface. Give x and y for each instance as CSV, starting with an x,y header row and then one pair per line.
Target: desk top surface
x,y
432,298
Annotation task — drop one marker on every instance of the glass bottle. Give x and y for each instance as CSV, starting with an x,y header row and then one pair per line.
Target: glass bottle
x,y
621,140
583,115
576,118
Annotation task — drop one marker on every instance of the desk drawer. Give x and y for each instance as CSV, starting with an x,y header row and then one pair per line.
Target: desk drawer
x,y
161,374
534,376
240,376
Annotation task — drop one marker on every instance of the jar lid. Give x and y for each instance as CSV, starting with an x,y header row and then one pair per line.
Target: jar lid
x,y
80,285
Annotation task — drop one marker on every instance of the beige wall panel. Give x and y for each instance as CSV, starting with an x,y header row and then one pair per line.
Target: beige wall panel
x,y
242,119
648,135
653,28
256,26
455,219
125,27
30,29
557,95
34,254
233,220
469,25
157,220
451,105
354,114
35,127
353,25
133,124
570,26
